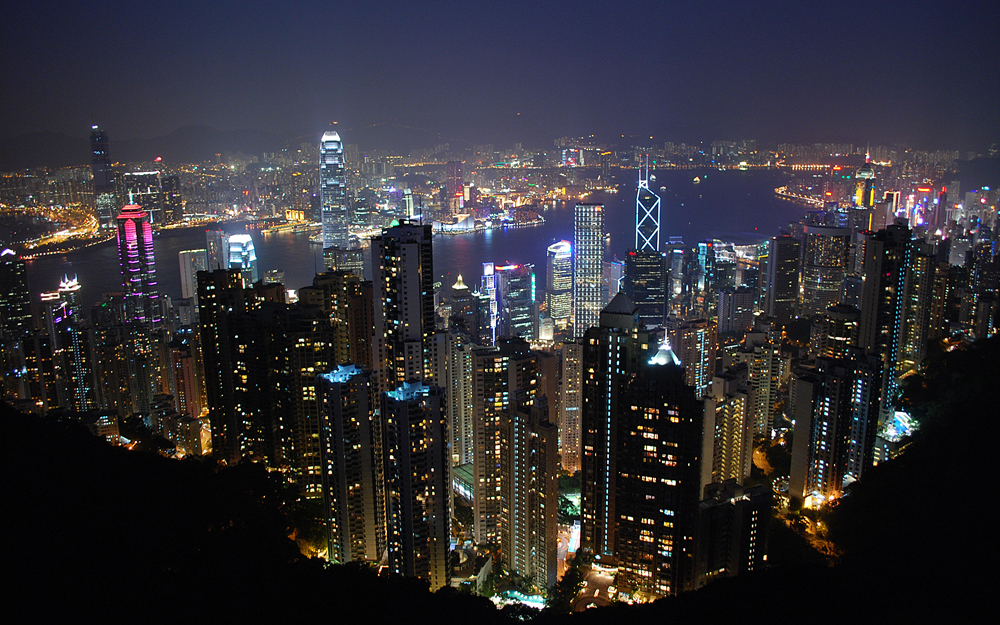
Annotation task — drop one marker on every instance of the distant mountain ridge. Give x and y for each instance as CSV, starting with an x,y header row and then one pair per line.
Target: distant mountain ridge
x,y
189,144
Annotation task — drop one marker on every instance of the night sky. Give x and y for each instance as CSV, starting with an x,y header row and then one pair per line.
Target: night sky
x,y
923,73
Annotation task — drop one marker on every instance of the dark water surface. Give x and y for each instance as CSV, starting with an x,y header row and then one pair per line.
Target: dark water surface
x,y
728,205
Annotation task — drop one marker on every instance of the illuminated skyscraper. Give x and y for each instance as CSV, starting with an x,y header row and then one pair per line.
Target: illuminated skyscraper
x,y
781,293
835,408
191,262
570,400
824,267
864,188
402,261
15,301
647,216
352,466
138,266
217,250
695,342
333,191
646,284
104,177
588,266
656,502
417,483
559,285
612,354
243,257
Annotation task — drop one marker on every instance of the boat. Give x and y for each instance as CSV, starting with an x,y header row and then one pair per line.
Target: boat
x,y
697,180
317,238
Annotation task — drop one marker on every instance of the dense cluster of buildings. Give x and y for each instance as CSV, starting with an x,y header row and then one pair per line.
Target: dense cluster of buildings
x,y
653,379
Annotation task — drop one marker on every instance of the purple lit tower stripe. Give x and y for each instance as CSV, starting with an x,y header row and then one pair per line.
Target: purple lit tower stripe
x,y
138,265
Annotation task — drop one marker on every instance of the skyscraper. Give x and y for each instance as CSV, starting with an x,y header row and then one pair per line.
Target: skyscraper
x,y
352,466
191,262
656,503
559,285
612,354
417,483
570,400
217,250
402,262
781,293
104,177
824,267
333,191
588,256
138,266
646,284
243,257
647,216
694,342
15,301
529,489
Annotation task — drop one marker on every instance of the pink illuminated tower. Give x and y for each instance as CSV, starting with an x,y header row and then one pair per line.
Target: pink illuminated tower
x,y
138,266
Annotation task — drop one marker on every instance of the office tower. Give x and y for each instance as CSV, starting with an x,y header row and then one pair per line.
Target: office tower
x,y
243,257
836,412
864,188
658,479
529,490
516,294
73,342
350,261
781,292
588,256
104,177
333,192
307,343
733,527
727,446
883,304
244,366
612,280
360,321
142,188
138,266
647,216
736,310
402,262
408,209
185,381
490,290
768,370
646,284
464,309
834,332
695,342
452,366
919,302
417,483
173,203
191,262
559,286
454,187
570,400
352,466
217,249
506,380
124,357
824,267
15,300
612,354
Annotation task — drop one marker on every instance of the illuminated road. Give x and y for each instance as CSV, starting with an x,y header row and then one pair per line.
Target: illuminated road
x,y
595,590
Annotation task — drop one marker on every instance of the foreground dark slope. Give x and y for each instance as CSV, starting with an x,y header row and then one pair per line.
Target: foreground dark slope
x,y
95,530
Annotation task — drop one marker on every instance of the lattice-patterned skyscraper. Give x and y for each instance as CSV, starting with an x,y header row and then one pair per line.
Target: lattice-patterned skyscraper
x,y
647,215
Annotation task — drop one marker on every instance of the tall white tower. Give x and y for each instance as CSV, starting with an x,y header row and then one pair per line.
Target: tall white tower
x,y
333,191
647,215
